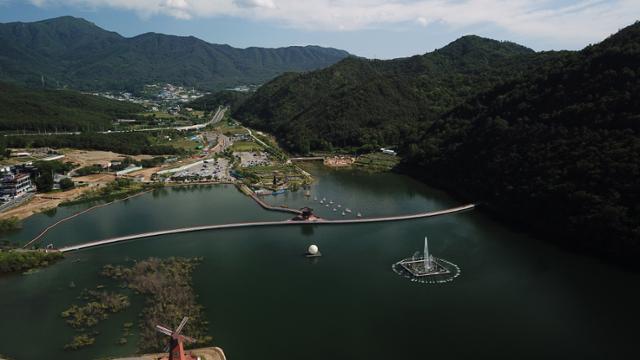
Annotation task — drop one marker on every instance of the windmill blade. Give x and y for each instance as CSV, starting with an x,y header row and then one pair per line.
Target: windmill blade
x,y
164,330
188,339
182,324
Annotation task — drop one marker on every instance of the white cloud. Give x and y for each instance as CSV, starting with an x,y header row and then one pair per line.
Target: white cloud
x,y
269,4
578,21
177,8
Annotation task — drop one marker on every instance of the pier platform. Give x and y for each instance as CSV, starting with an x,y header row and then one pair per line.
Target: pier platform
x,y
209,353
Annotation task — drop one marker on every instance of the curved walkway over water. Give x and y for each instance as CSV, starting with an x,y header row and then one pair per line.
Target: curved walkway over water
x,y
263,223
271,207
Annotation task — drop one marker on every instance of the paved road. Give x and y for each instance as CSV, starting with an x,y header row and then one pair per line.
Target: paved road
x,y
214,119
16,201
263,223
308,158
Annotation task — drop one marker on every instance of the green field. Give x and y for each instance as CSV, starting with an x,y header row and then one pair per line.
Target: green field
x,y
239,146
377,162
197,113
262,176
161,115
178,141
227,129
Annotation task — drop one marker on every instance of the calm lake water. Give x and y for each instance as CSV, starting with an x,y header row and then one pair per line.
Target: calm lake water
x,y
518,297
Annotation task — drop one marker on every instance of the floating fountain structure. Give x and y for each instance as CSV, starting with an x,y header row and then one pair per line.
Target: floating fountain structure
x,y
426,269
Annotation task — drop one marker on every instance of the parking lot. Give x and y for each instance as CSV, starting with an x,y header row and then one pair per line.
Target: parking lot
x,y
248,158
210,169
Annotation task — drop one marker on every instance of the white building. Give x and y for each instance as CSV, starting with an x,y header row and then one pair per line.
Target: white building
x,y
388,151
16,185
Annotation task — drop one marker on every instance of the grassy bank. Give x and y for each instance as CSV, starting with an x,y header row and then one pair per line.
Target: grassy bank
x,y
376,162
118,189
9,225
12,261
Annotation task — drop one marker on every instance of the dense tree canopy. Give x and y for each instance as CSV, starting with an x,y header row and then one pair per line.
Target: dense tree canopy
x,y
360,102
58,110
232,99
132,143
557,149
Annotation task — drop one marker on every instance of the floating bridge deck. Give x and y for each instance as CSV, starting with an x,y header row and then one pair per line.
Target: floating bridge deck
x,y
120,239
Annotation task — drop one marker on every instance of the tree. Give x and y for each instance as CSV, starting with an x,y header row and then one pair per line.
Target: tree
x,y
66,184
44,182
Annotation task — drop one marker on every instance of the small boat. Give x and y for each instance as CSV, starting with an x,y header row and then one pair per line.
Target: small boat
x,y
315,198
343,213
307,193
347,210
359,215
331,202
321,201
339,205
324,199
327,205
334,209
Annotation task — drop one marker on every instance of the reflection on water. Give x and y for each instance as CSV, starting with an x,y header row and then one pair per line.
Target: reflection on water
x,y
518,297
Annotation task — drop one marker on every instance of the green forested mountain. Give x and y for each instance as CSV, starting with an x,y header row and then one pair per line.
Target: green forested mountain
x,y
61,110
73,52
547,140
369,103
232,99
557,149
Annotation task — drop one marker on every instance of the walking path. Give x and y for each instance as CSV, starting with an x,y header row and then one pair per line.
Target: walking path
x,y
256,138
271,207
263,223
44,232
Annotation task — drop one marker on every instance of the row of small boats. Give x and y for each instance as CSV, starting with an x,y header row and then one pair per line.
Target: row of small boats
x,y
337,207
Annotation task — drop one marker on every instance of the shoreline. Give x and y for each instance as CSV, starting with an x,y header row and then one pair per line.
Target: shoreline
x,y
145,191
146,188
82,212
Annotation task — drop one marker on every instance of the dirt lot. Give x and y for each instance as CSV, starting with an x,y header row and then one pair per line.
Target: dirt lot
x,y
90,157
338,161
40,203
43,202
147,172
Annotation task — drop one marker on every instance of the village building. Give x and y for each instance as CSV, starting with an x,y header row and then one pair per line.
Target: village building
x,y
15,185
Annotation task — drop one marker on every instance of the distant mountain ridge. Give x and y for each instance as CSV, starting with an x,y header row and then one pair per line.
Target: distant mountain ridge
x,y
74,52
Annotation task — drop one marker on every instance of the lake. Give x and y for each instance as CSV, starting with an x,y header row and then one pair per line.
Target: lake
x,y
517,297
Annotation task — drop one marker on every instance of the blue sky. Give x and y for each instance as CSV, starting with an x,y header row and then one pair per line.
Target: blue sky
x,y
371,28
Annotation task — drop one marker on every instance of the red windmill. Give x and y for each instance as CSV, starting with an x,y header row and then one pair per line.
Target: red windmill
x,y
175,346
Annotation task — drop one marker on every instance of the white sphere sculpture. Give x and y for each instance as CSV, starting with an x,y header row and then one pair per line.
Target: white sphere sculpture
x,y
313,249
